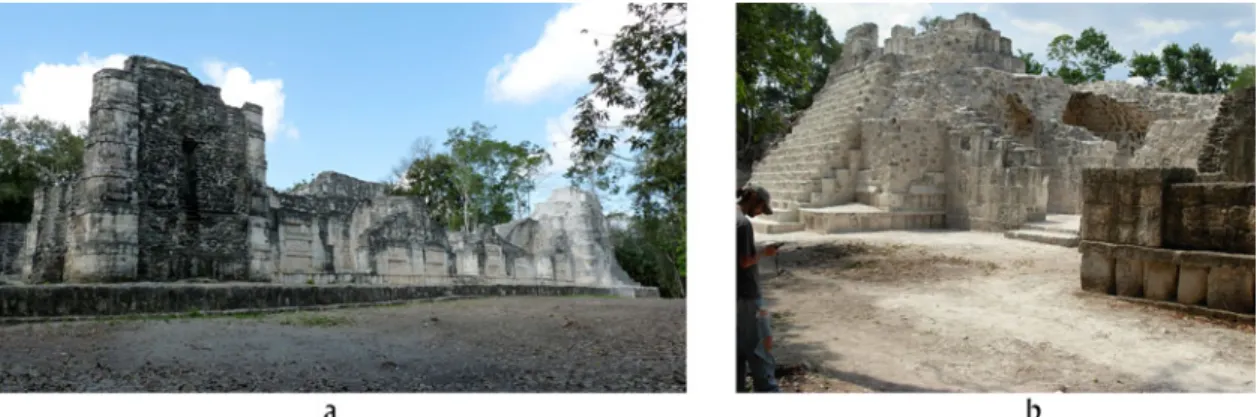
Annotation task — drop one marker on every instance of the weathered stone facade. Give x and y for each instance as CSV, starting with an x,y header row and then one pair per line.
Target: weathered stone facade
x,y
174,190
944,129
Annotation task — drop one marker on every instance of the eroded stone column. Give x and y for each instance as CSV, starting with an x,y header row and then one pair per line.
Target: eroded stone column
x,y
103,240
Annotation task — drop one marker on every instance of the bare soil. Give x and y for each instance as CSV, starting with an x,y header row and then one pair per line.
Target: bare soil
x,y
976,312
517,344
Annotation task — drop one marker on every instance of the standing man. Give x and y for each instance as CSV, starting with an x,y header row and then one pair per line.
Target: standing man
x,y
752,323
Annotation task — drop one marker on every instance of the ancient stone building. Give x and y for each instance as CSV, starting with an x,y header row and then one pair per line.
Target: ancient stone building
x,y
944,130
174,189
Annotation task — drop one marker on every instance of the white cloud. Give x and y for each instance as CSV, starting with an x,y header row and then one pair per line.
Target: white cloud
x,y
1155,28
1246,43
238,86
63,92
60,92
563,57
843,16
1236,23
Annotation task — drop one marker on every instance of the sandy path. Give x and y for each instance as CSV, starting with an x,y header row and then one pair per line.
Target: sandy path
x,y
976,312
560,344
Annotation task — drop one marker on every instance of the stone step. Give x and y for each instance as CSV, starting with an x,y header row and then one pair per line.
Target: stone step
x,y
1051,227
1068,240
770,227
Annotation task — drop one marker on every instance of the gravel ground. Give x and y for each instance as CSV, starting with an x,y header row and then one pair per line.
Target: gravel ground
x,y
976,312
516,344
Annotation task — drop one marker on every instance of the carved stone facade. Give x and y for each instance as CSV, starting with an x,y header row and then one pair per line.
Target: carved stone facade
x,y
174,189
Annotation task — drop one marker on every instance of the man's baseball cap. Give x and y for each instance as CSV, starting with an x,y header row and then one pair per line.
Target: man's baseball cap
x,y
764,196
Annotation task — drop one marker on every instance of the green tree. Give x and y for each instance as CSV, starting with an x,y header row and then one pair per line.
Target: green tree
x,y
1146,66
1192,71
1031,66
480,181
34,152
783,53
644,69
1246,78
1083,59
426,179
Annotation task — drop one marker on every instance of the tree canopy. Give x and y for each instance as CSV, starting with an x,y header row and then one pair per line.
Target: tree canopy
x,y
1193,70
480,181
34,152
1083,59
643,70
784,53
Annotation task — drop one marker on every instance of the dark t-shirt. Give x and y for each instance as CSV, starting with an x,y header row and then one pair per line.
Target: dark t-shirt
x,y
746,287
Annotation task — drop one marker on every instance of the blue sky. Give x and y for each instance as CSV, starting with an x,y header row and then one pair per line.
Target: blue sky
x,y
346,88
1229,30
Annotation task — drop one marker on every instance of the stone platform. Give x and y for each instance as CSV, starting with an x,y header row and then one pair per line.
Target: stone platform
x,y
27,302
855,217
1058,229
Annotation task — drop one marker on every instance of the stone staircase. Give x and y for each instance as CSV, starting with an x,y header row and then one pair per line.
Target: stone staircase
x,y
1057,229
816,165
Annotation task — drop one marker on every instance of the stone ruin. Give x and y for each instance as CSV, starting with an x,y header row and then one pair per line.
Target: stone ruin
x,y
945,130
173,190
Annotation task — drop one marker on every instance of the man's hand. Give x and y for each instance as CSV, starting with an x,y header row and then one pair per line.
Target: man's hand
x,y
771,249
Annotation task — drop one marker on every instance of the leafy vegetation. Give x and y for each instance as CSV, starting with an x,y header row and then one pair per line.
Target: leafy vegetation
x,y
480,181
643,70
1083,59
784,53
34,151
1193,70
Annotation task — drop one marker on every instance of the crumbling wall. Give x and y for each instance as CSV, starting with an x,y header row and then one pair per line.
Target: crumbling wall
x,y
907,160
995,182
44,249
1109,119
1230,152
1172,143
1157,104
967,41
12,238
569,228
167,180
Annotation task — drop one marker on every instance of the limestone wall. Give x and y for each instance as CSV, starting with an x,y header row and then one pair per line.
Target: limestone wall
x,y
1216,280
1159,105
167,182
44,249
12,237
1230,151
1219,217
907,160
1158,234
1172,143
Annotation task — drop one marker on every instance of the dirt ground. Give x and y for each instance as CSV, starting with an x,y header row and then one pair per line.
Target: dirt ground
x,y
516,344
976,312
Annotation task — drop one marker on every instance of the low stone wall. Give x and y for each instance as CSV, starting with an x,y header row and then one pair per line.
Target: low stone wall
x,y
1216,280
1125,206
71,300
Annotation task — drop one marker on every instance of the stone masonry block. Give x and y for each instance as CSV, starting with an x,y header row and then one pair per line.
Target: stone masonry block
x,y
1097,270
1192,284
1161,280
1129,279
1228,288
1149,226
